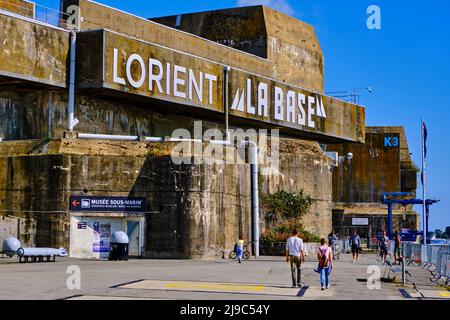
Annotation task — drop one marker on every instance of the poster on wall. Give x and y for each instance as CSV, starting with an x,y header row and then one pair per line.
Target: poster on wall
x,y
102,233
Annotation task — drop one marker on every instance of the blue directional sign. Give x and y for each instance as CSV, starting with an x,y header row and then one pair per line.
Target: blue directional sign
x,y
106,204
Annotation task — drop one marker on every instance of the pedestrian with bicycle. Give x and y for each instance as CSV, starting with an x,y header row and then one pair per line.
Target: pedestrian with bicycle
x,y
325,258
239,248
295,256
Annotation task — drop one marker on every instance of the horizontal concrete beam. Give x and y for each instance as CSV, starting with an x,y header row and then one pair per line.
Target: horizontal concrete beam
x,y
143,70
32,51
22,7
129,68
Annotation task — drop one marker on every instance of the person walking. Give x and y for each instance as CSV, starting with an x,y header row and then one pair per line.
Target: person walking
x,y
332,242
397,248
239,248
355,244
325,258
295,255
384,244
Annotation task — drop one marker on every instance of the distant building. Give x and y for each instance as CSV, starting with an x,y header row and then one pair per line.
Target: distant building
x,y
382,164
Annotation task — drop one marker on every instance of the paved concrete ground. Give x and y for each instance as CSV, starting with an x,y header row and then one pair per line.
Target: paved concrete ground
x,y
261,279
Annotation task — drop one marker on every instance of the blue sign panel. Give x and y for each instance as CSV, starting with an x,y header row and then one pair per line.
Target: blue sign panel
x,y
391,141
409,235
99,203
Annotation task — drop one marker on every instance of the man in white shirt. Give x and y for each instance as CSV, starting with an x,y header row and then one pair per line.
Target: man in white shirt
x,y
295,255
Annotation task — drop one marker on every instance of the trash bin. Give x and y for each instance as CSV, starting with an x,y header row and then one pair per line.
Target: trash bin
x,y
119,246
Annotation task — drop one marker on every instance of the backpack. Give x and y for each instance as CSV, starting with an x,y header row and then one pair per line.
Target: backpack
x,y
323,261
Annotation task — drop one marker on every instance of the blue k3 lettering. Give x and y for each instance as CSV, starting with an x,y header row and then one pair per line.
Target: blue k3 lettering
x,y
391,142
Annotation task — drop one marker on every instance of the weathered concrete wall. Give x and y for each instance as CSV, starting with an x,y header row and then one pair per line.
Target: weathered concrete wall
x,y
34,52
37,114
382,164
22,7
294,50
243,29
34,197
194,210
97,16
374,169
303,165
285,41
408,171
405,156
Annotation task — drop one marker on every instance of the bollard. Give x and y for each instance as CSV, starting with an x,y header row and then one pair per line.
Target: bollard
x,y
403,266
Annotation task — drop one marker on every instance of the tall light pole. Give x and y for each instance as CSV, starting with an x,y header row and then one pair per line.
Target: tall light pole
x,y
424,218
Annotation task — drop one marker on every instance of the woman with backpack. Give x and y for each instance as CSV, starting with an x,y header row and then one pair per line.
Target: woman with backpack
x,y
325,257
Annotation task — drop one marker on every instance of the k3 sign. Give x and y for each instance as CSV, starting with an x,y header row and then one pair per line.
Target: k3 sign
x,y
391,141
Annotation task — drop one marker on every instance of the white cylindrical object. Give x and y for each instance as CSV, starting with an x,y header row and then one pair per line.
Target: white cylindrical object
x,y
95,136
41,252
220,142
10,246
253,149
73,46
154,139
185,140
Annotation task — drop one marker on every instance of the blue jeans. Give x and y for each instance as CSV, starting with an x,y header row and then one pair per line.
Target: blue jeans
x,y
239,252
325,276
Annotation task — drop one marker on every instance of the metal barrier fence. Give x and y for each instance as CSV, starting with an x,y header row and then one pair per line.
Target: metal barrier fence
x,y
345,247
432,257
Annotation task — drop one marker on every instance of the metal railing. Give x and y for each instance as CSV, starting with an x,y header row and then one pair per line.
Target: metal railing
x,y
41,13
345,247
432,257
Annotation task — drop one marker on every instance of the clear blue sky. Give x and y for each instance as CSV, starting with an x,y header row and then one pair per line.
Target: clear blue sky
x,y
407,63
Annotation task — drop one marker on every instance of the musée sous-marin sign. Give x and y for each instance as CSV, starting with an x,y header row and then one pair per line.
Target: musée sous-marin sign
x,y
136,67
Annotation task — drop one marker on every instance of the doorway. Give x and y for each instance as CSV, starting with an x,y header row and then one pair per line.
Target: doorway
x,y
90,235
134,235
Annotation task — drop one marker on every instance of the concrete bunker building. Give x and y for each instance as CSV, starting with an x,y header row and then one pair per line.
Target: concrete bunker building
x,y
382,164
248,68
